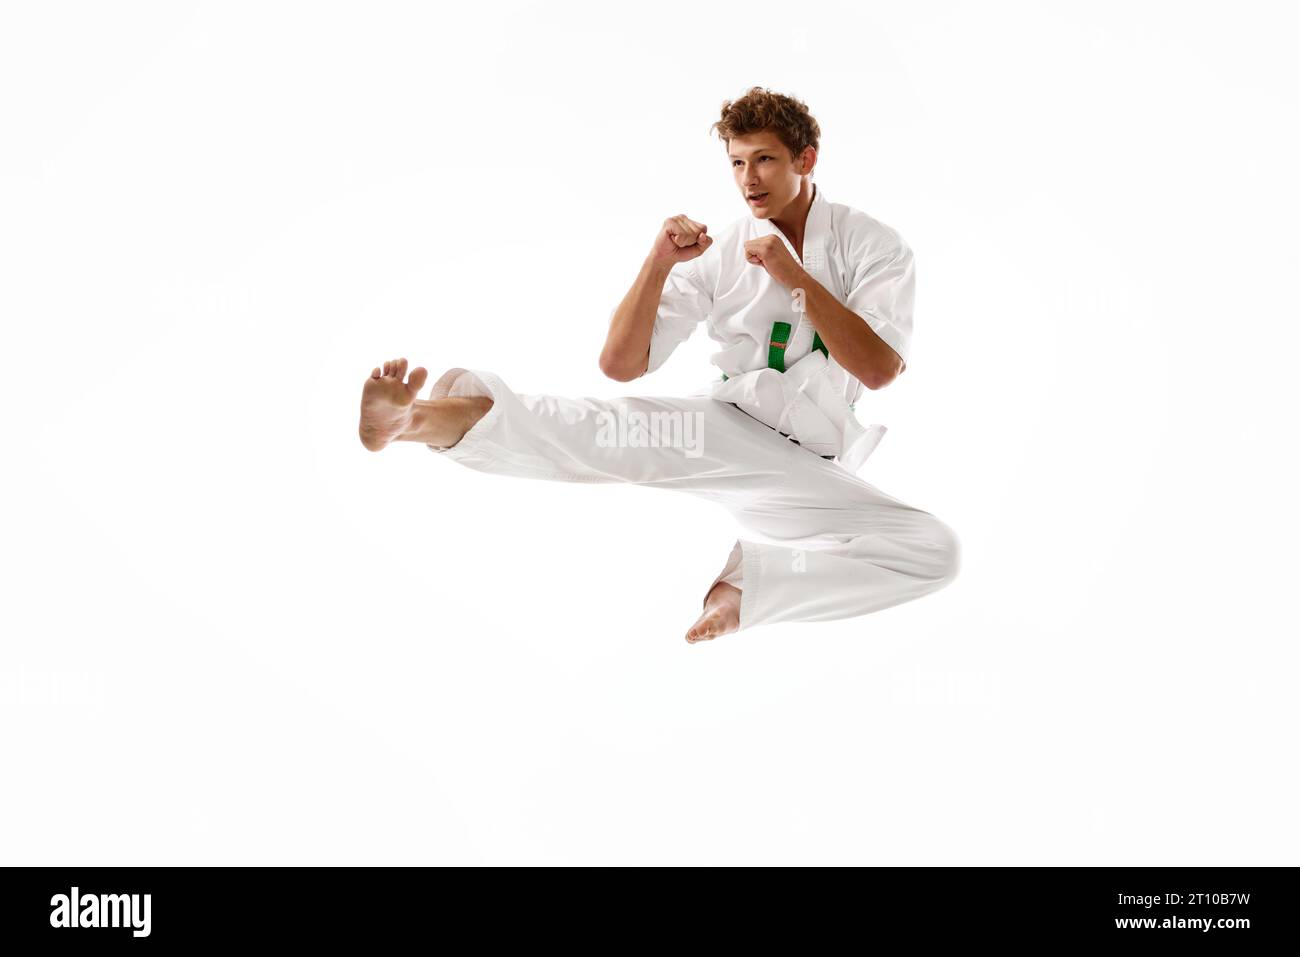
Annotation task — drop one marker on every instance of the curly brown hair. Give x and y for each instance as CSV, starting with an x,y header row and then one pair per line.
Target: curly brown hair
x,y
760,109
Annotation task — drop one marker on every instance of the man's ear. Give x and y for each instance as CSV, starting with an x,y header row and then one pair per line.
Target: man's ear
x,y
808,159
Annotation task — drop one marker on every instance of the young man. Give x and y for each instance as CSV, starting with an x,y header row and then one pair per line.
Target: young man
x,y
810,301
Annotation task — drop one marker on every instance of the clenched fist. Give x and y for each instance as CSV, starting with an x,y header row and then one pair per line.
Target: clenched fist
x,y
680,240
772,254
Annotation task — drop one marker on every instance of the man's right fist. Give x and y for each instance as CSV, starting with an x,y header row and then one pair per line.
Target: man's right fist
x,y
680,240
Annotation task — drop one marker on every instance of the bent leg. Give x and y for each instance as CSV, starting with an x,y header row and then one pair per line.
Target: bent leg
x,y
843,549
856,575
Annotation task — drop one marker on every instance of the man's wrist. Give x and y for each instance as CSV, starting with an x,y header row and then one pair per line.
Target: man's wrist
x,y
797,278
657,267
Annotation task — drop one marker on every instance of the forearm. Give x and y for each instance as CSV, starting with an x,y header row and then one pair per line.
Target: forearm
x,y
848,337
627,346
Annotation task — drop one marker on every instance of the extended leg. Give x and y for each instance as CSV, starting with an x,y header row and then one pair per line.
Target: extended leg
x,y
390,411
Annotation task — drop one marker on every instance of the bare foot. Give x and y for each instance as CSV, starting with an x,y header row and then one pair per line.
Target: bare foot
x,y
721,614
387,403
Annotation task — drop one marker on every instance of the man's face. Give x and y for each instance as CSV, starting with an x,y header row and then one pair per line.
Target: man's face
x,y
764,168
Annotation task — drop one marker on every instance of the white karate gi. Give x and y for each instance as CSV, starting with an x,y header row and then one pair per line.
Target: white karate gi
x,y
863,263
837,547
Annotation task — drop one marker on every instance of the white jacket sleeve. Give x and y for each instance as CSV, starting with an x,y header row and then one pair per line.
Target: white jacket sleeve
x,y
883,293
685,303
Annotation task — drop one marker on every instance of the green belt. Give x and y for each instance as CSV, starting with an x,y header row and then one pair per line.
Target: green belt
x,y
780,339
776,349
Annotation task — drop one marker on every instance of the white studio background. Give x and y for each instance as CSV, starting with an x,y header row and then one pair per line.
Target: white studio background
x,y
231,635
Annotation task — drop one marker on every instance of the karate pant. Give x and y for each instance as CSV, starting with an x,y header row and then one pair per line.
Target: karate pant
x,y
837,547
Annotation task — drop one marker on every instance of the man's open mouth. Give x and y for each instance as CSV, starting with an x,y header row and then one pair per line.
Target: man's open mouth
x,y
753,197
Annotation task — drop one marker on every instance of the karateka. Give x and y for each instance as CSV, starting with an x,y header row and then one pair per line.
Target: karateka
x,y
810,302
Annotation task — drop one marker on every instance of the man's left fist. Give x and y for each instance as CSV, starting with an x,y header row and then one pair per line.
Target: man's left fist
x,y
772,254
